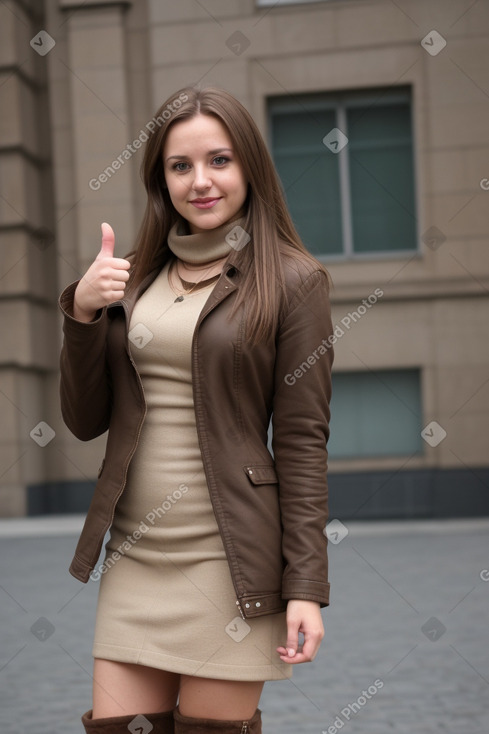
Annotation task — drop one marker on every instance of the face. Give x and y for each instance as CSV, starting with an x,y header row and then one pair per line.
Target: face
x,y
204,176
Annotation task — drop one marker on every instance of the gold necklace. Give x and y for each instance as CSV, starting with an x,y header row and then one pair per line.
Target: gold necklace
x,y
187,291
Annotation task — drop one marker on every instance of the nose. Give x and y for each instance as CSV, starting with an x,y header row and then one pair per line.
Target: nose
x,y
202,181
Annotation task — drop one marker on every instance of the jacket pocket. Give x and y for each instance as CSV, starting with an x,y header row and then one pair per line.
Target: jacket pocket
x,y
261,473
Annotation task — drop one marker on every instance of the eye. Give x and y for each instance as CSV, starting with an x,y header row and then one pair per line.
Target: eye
x,y
177,166
220,160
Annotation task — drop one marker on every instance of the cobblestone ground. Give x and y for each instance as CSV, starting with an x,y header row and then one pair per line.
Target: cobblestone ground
x,y
406,645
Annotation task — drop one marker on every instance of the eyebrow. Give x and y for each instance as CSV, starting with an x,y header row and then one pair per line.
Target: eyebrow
x,y
210,152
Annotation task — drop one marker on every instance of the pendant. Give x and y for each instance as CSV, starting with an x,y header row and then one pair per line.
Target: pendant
x,y
178,298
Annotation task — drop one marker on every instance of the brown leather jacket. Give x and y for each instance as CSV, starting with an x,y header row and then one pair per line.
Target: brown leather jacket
x,y
271,511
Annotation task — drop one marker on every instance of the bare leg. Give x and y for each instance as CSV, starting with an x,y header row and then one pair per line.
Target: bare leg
x,y
121,689
208,698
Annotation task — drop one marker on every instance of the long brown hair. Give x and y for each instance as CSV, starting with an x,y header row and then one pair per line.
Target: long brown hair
x,y
267,218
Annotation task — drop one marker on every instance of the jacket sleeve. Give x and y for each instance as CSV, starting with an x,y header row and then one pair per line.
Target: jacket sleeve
x,y
85,390
300,420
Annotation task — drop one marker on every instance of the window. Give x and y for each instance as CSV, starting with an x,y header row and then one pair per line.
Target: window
x,y
375,414
346,166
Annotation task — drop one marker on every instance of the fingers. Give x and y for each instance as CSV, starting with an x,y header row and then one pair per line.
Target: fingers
x,y
114,272
292,644
291,653
297,658
304,654
107,251
108,241
306,618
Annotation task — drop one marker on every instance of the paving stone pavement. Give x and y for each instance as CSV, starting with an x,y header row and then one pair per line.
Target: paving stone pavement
x,y
406,645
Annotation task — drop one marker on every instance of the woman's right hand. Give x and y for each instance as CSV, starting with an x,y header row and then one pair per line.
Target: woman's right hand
x,y
104,282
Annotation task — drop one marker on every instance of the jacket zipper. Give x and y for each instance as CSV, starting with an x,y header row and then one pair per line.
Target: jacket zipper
x,y
194,368
245,728
140,427
240,609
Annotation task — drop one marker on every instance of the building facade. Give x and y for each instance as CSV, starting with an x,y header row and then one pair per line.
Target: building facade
x,y
377,116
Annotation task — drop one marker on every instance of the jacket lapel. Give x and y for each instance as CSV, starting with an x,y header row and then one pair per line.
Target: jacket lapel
x,y
232,274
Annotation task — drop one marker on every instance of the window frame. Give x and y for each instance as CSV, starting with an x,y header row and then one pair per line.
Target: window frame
x,y
420,452
340,102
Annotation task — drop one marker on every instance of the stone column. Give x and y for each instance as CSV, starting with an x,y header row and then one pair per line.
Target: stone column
x,y
91,126
27,254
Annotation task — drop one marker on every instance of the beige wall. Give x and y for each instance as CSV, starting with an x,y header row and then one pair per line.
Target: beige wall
x,y
113,65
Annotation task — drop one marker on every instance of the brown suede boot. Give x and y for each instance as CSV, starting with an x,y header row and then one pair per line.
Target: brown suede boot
x,y
189,725
134,724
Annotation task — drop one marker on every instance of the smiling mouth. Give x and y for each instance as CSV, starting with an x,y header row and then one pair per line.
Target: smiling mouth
x,y
205,203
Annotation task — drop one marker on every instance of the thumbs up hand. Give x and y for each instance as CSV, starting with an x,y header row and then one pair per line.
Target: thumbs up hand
x,y
108,241
104,282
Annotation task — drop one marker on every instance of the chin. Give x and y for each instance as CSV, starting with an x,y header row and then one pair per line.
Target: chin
x,y
204,225
209,222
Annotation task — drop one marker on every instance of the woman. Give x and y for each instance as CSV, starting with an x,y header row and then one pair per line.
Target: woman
x,y
183,350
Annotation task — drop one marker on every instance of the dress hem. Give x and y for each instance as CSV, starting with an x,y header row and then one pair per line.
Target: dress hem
x,y
190,667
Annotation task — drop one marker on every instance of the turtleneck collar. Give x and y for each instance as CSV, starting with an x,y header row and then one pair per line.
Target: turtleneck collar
x,y
204,246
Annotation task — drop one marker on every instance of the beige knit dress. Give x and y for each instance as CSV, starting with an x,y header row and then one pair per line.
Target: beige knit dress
x,y
166,599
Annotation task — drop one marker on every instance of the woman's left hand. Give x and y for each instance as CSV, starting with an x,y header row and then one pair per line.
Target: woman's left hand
x,y
302,616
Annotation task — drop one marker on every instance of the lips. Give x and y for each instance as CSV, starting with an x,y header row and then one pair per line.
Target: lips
x,y
205,203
